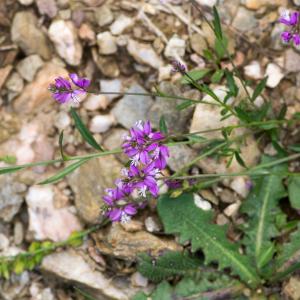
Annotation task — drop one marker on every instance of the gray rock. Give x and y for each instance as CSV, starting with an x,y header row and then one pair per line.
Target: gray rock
x,y
291,61
70,266
114,85
244,20
106,43
28,66
120,24
26,33
198,43
132,108
11,197
144,54
15,83
114,140
89,183
180,155
176,120
103,15
47,7
296,2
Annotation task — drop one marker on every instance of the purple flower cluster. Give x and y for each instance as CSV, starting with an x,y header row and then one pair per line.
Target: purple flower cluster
x,y
148,156
63,92
290,19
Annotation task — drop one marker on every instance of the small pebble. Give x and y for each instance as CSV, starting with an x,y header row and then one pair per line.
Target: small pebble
x,y
201,203
101,123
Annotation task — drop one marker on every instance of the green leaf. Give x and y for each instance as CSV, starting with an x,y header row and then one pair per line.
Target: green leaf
x,y
9,159
233,89
6,170
181,216
217,24
64,172
85,133
163,125
259,88
217,76
289,254
61,138
195,75
184,105
262,207
294,191
295,148
170,264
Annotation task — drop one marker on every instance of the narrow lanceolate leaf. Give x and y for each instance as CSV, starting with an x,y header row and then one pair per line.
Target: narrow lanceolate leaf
x,y
64,172
61,138
85,133
181,216
217,24
262,207
170,264
163,125
6,170
195,75
289,255
294,192
259,88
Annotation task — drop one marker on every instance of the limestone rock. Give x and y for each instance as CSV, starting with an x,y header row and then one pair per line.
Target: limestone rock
x,y
89,183
28,66
132,108
64,36
25,32
107,43
115,241
144,54
120,24
70,266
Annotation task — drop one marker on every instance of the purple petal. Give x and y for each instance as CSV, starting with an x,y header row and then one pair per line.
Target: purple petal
x,y
62,83
115,214
296,39
144,157
294,18
129,209
286,36
80,82
147,128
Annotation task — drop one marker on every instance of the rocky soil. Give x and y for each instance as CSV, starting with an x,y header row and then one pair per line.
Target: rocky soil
x,y
121,45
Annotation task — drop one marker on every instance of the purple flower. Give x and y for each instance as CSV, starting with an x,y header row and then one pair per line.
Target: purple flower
x,y
178,67
143,145
63,92
286,36
296,39
122,214
289,19
83,83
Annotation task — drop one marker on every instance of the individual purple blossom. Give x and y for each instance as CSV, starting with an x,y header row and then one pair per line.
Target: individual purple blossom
x,y
63,92
286,36
178,67
289,19
143,145
296,39
122,214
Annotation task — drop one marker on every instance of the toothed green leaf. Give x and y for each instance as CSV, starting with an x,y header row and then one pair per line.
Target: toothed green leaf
x,y
181,216
170,264
262,207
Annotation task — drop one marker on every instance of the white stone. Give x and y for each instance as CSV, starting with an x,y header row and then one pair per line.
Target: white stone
x,y
151,225
71,266
46,221
62,120
275,74
164,73
144,54
107,43
253,70
63,35
101,123
240,186
138,280
232,209
175,47
25,2
201,203
120,24
15,83
4,242
209,3
95,102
